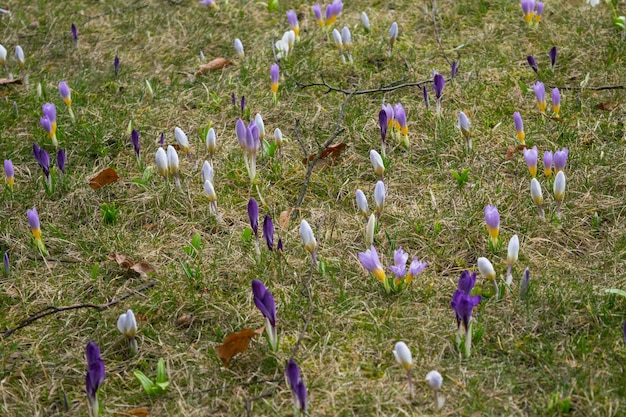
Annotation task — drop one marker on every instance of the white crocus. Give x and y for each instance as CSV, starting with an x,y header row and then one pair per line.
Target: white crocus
x,y
346,38
127,325
308,238
207,171
379,197
559,191
172,163
239,48
361,203
377,162
369,231
337,39
365,21
278,137
435,381
537,195
258,121
393,35
511,258
3,55
161,162
486,269
19,56
211,141
282,49
209,190
464,124
290,38
403,356
593,3
181,138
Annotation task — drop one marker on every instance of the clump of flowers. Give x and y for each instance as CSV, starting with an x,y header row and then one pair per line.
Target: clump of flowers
x,y
463,303
401,276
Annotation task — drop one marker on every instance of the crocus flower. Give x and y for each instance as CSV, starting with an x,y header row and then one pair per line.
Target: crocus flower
x,y
540,95
425,94
242,104
346,38
528,7
530,156
556,101
547,163
379,198
523,289
298,389
369,260
467,282
208,3
134,139
239,48
438,84
127,325
162,139
6,265
377,163
393,35
66,94
492,220
181,138
74,32
361,203
292,18
553,54
365,21
317,12
279,246
61,160
161,162
116,65
264,301
532,62
207,171
258,121
253,216
519,128
382,122
559,190
211,142
463,304
537,195
233,97
240,131
464,125
49,121
486,268
9,172
94,377
172,163
454,67
338,42
209,190
415,268
560,159
400,115
399,264
511,257
43,159
369,230
403,356
435,381
538,11
268,231
308,238
274,75
333,11
278,137
19,56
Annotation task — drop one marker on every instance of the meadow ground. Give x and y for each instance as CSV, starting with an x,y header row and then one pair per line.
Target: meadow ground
x,y
558,351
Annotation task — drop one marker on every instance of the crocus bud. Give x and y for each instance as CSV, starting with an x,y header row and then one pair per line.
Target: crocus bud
x,y
3,55
274,76
127,325
377,162
253,216
559,187
537,195
538,11
393,33
434,379
512,250
486,268
552,54
258,121
66,94
337,39
403,355
556,101
211,141
278,137
531,156
379,197
528,8
532,62
361,203
209,190
369,230
492,220
19,56
268,231
207,171
116,65
181,138
560,159
346,38
61,160
74,30
540,95
519,127
317,12
239,48
365,21
161,162
289,37
9,172
6,265
292,18
172,160
547,163
306,233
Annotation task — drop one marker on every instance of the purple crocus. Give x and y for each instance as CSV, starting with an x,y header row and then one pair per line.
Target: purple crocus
x,y
7,266
438,83
400,115
547,163
538,11
268,231
253,215
94,377
292,18
243,104
382,122
492,220
162,140
116,65
134,139
453,69
240,131
233,97
463,304
43,159
467,282
61,160
528,7
74,32
65,93
426,101
274,75
264,301
297,386
531,155
540,94
560,159
523,289
552,54
399,263
9,172
317,12
519,127
532,62
279,246
556,101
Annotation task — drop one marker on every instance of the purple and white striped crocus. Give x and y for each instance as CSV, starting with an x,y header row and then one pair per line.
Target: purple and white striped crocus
x,y
49,121
298,389
264,301
426,101
94,378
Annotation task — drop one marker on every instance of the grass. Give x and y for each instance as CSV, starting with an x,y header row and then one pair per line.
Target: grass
x,y
563,343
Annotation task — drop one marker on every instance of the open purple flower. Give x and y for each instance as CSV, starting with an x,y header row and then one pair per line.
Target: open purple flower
x,y
95,376
463,304
560,159
297,386
253,215
268,231
532,62
552,54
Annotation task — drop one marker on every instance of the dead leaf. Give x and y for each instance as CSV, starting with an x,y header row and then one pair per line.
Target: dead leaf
x,y
607,105
185,320
138,412
217,63
141,268
510,153
6,81
235,343
333,151
105,177
283,220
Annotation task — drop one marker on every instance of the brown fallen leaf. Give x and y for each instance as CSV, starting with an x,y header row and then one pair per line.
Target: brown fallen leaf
x,y
511,150
333,151
284,218
217,63
6,81
138,412
236,343
105,177
185,320
141,268
607,105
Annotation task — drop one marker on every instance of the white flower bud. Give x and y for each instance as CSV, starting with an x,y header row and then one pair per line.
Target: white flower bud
x,y
161,162
486,269
434,379
403,355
